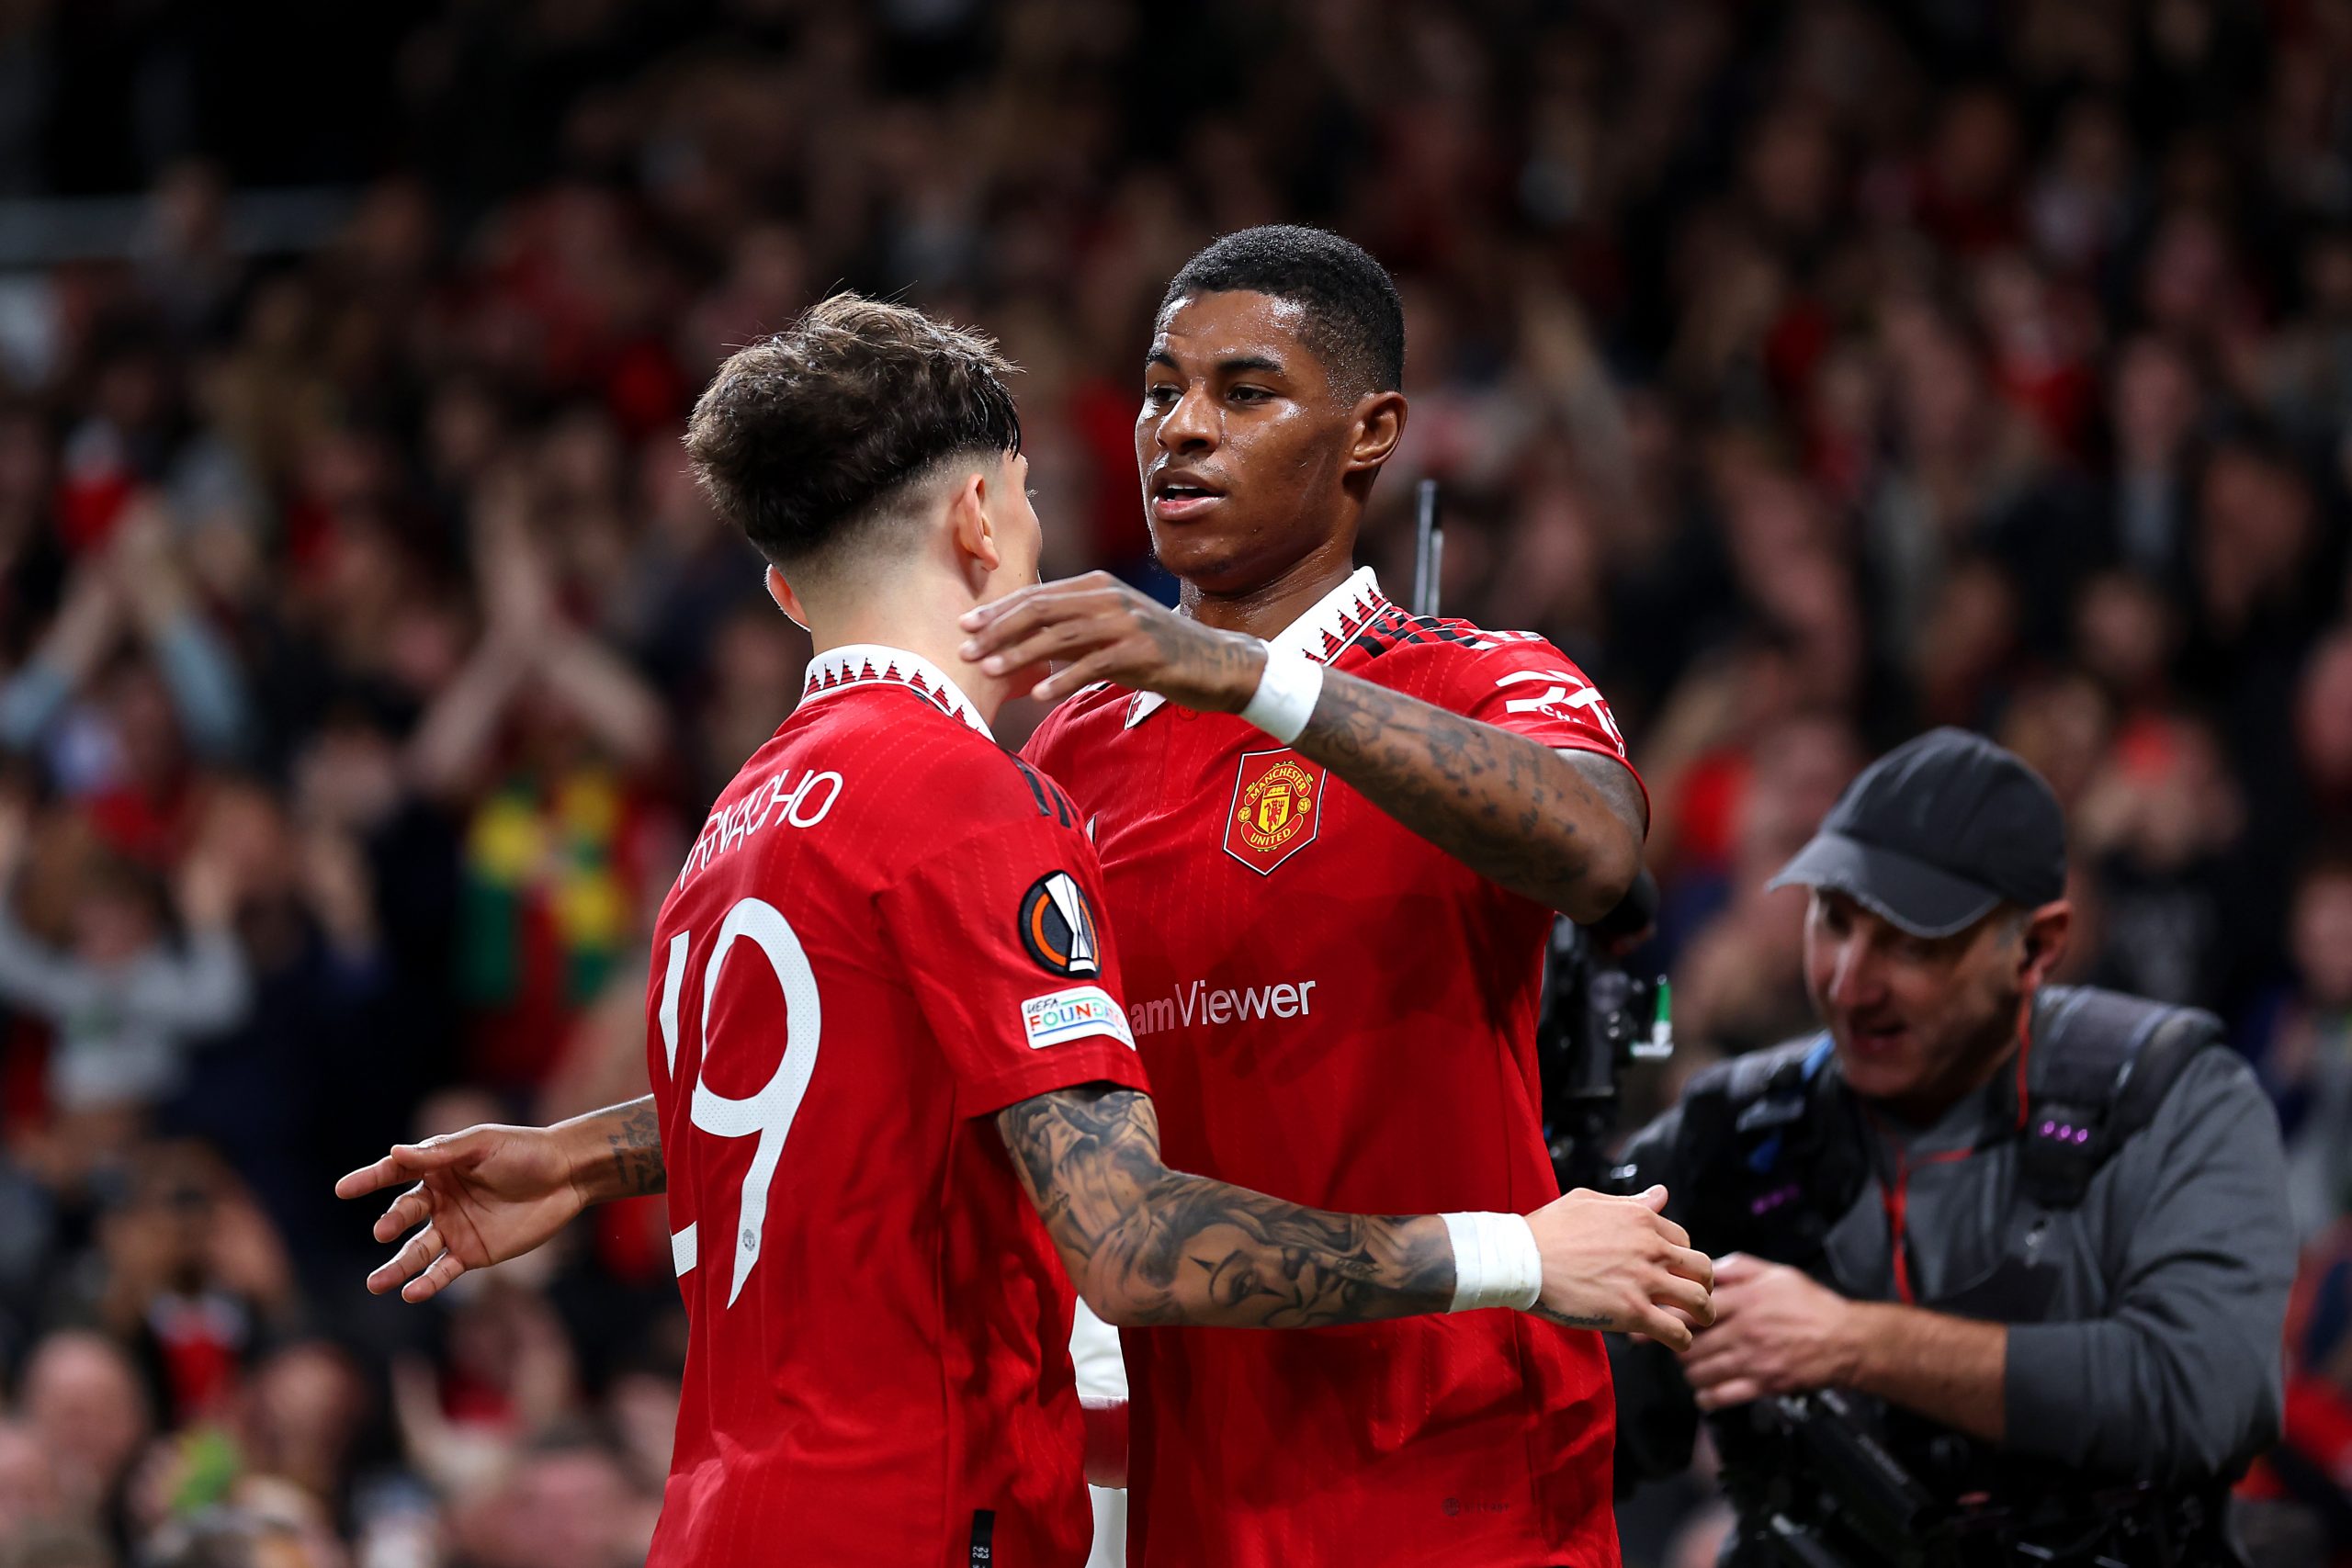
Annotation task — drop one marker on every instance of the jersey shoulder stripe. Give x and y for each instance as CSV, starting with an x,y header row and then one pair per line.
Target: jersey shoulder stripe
x,y
1051,801
1394,628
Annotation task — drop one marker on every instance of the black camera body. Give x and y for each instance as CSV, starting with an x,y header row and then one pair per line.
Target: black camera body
x,y
1598,1019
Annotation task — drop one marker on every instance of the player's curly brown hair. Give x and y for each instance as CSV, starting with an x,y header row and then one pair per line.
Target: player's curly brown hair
x,y
804,439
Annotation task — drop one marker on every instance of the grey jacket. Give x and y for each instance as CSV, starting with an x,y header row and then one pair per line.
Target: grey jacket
x,y
2158,1355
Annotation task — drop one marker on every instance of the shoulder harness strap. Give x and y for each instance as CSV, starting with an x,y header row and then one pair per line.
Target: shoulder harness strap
x,y
2102,1063
1761,1134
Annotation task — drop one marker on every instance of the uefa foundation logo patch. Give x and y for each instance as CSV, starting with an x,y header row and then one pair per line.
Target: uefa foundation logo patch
x,y
1276,810
1079,1013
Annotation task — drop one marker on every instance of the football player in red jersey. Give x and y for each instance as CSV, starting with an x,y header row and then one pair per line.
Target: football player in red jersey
x,y
1334,835
897,1105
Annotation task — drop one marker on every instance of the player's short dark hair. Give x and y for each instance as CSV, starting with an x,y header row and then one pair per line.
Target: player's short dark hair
x,y
1354,320
803,439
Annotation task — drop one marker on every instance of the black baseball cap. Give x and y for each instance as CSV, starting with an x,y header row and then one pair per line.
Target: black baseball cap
x,y
1937,832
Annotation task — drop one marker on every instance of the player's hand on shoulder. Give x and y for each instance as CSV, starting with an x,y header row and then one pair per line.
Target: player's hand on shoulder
x,y
1098,628
1620,1264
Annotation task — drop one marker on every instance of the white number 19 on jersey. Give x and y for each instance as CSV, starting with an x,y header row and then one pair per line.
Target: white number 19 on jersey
x,y
767,1114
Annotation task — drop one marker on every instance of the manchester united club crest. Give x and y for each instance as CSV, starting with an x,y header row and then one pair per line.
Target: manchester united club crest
x,y
1277,806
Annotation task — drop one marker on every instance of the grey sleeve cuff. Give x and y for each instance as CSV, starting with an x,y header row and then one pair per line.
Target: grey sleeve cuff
x,y
2047,1389
2128,1399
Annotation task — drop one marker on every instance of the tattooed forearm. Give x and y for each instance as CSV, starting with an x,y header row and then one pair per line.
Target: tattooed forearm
x,y
1563,831
616,1152
1147,1245
635,1139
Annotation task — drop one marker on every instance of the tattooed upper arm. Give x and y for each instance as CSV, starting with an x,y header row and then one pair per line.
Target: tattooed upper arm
x,y
1086,1154
1562,828
1148,1245
1617,785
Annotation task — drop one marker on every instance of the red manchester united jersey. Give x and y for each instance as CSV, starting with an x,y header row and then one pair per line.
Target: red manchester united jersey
x,y
885,933
1337,1012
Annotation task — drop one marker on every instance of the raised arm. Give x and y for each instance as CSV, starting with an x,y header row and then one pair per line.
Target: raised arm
x,y
1564,829
199,669
1148,1245
85,630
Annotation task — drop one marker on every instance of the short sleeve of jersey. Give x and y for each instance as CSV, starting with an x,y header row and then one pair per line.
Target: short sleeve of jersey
x,y
1002,937
1524,684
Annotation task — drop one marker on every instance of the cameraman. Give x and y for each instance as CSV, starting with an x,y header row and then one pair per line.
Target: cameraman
x,y
2033,1238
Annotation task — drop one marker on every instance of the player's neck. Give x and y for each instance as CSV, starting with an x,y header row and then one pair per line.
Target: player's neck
x,y
926,629
1266,609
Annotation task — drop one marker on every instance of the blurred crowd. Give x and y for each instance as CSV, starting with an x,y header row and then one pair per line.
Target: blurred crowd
x,y
1813,372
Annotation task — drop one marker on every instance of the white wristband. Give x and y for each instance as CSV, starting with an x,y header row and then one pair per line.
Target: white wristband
x,y
1284,699
1496,1262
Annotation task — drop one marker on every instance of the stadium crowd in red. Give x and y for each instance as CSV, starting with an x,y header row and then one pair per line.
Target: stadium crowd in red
x,y
1810,377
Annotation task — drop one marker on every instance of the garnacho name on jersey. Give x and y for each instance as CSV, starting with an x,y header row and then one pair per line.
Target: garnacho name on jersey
x,y
798,802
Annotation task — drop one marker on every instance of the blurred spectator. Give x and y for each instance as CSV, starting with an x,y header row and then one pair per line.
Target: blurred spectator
x,y
126,1002
84,1403
1742,976
190,1275
184,692
2307,1483
56,1546
2157,829
549,736
569,1500
307,921
2302,1043
2324,729
31,1494
233,1539
302,1424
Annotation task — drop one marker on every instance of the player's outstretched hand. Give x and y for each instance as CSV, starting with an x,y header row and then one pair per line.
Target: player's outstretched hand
x,y
1620,1264
482,1196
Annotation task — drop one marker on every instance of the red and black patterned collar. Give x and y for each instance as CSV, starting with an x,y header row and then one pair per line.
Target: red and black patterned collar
x,y
872,664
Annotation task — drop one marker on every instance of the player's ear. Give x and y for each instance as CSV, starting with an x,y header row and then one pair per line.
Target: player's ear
x,y
976,536
1379,425
787,600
